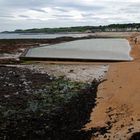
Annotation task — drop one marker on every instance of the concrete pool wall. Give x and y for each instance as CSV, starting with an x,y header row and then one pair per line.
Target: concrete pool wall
x,y
83,50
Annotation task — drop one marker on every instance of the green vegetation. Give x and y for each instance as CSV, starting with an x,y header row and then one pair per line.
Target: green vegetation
x,y
58,92
55,108
38,106
55,30
111,27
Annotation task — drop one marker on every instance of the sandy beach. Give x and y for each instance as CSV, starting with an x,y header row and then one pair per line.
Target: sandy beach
x,y
118,98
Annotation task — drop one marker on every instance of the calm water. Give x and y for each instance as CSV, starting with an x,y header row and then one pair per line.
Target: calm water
x,y
93,49
36,36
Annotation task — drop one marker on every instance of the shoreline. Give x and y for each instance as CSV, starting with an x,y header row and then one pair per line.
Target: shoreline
x,y
117,98
116,114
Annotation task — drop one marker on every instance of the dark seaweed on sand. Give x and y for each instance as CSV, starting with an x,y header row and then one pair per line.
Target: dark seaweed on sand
x,y
37,106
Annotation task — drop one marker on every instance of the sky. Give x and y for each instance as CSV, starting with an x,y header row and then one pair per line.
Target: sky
x,y
26,14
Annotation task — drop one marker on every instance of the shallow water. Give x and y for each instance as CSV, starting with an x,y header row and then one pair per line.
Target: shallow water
x,y
92,49
36,36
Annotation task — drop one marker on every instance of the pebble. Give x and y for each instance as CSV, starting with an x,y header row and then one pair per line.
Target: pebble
x,y
6,96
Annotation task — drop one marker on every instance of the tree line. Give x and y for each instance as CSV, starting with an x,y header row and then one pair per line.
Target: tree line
x,y
111,27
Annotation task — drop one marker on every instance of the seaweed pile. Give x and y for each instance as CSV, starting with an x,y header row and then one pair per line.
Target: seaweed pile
x,y
37,106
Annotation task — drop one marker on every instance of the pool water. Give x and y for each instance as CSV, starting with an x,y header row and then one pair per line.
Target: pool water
x,y
89,49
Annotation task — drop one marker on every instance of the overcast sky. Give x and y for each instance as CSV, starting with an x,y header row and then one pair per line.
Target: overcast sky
x,y
24,14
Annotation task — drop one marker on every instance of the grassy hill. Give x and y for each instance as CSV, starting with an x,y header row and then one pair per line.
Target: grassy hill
x,y
107,28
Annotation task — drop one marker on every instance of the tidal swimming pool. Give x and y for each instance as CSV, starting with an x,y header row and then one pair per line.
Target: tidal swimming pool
x,y
87,49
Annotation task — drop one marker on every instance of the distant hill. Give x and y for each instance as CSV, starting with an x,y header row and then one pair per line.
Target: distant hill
x,y
108,28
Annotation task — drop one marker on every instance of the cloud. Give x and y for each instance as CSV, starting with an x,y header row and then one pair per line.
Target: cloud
x,y
6,16
59,16
61,9
56,13
38,10
23,16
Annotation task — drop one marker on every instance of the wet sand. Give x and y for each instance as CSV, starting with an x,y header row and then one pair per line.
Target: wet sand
x,y
118,101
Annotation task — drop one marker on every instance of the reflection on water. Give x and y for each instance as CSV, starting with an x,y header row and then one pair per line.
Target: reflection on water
x,y
93,49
